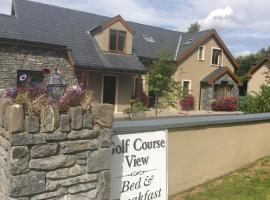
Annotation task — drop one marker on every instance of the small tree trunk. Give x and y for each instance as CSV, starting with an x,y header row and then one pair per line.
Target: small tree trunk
x,y
156,105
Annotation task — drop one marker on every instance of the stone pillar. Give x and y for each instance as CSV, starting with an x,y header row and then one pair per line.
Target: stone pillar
x,y
207,92
64,156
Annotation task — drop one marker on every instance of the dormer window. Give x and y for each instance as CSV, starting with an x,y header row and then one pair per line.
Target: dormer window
x,y
149,38
201,53
216,56
117,41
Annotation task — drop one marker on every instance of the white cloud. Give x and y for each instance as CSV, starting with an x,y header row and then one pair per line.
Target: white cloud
x,y
243,53
219,18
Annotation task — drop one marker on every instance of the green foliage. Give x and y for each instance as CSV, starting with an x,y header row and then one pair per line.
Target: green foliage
x,y
248,183
137,106
247,61
258,103
167,91
193,28
172,96
160,73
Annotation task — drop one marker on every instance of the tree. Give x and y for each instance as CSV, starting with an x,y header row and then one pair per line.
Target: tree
x,y
161,83
247,61
193,28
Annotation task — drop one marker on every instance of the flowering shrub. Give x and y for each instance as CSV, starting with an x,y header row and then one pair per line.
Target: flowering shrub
x,y
225,104
34,97
144,99
188,102
27,97
46,71
72,98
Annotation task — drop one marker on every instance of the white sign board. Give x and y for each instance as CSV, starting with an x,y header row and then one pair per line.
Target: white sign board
x,y
139,166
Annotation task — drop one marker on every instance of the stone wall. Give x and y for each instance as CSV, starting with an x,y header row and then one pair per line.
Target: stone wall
x,y
207,91
15,57
55,156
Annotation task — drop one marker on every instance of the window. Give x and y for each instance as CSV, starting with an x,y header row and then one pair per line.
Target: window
x,y
28,78
216,56
186,84
149,39
222,90
201,53
117,40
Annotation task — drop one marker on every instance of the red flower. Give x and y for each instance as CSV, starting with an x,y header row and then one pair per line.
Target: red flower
x,y
46,71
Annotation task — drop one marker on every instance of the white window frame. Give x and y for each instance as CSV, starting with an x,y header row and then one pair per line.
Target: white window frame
x,y
203,51
189,87
116,90
221,62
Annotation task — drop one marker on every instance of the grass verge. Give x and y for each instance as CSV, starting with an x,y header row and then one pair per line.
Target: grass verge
x,y
249,183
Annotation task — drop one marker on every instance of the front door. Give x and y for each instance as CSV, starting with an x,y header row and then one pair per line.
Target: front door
x,y
109,89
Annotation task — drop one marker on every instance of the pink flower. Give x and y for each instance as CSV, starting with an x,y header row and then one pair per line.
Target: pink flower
x,y
46,71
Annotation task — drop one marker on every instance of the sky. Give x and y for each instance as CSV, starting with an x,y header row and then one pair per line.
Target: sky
x,y
244,25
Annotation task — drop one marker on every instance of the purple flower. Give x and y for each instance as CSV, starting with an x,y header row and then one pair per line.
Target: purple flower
x,y
11,93
23,77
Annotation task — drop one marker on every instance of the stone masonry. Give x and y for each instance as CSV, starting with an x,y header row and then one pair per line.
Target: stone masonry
x,y
207,91
55,156
15,57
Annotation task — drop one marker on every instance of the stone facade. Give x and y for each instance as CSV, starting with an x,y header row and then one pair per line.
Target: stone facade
x,y
15,57
207,91
69,160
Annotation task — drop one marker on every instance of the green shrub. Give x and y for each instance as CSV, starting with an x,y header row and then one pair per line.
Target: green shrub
x,y
257,103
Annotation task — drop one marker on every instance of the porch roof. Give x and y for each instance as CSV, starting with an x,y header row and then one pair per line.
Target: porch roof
x,y
219,72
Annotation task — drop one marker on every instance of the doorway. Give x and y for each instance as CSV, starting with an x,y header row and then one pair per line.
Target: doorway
x,y
109,89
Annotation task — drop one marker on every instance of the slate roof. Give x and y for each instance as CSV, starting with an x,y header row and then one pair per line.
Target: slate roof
x,y
37,22
220,71
214,74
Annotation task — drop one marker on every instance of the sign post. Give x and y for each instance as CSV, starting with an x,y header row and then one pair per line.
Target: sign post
x,y
139,166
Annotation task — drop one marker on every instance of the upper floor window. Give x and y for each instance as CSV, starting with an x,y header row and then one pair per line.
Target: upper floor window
x,y
117,40
216,56
201,53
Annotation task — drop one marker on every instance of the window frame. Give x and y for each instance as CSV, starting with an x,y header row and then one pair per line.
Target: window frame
x,y
30,73
189,87
203,51
117,41
221,61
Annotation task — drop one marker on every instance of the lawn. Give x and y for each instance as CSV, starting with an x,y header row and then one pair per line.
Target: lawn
x,y
249,183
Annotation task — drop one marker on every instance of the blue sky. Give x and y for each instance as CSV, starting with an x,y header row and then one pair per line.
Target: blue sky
x,y
244,25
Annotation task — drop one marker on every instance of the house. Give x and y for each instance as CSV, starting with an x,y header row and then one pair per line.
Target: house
x,y
258,75
106,55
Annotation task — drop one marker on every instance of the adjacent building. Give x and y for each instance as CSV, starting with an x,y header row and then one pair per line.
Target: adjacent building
x,y
258,75
109,55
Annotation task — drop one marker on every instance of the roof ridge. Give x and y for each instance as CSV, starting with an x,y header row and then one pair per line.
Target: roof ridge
x,y
157,27
207,30
80,11
56,6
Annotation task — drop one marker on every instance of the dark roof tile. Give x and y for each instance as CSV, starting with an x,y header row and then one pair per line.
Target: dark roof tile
x,y
37,22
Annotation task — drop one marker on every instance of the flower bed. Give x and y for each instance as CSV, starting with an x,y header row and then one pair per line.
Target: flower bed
x,y
35,97
225,104
188,103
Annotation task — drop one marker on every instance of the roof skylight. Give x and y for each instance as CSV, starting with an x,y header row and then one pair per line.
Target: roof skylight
x,y
188,42
149,38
